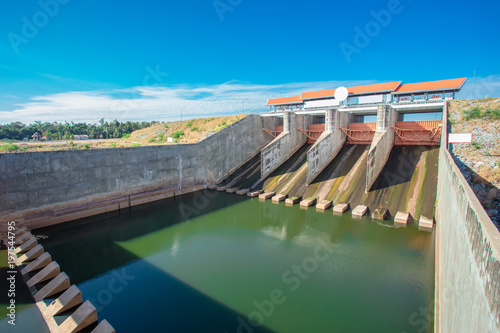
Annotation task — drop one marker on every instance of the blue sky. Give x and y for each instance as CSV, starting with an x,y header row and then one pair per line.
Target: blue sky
x,y
83,60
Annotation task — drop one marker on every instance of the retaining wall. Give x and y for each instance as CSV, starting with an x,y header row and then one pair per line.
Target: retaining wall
x,y
467,255
45,188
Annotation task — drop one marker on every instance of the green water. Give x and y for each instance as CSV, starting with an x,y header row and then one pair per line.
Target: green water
x,y
218,262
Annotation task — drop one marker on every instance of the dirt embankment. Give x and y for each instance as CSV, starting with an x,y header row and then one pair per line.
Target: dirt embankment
x,y
180,132
479,161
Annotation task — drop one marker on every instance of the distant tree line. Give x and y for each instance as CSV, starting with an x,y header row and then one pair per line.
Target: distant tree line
x,y
65,131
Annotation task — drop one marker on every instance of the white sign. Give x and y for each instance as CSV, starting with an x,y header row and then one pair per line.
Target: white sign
x,y
169,139
460,138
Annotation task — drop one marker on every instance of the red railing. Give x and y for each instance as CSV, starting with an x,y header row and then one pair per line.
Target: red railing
x,y
360,133
313,133
417,133
278,131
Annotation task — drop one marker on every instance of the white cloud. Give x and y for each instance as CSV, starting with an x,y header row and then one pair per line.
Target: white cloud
x,y
166,102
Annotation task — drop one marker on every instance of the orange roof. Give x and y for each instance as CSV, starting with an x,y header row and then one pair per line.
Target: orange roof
x,y
369,88
453,84
318,94
284,100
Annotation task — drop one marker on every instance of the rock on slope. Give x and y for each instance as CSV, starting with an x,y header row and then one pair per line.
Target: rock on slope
x,y
479,161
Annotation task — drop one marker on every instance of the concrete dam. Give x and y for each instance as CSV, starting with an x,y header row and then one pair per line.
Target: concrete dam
x,y
391,169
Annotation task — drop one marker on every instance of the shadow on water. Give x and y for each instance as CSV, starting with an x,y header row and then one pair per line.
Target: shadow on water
x,y
202,275
88,252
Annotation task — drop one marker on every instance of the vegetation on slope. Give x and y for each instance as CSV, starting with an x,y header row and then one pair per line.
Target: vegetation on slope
x,y
479,161
145,134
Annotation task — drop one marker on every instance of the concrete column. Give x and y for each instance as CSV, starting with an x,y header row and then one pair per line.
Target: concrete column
x,y
382,143
330,120
287,119
386,117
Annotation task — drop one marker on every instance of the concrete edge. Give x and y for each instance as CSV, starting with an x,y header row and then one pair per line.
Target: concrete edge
x,y
282,135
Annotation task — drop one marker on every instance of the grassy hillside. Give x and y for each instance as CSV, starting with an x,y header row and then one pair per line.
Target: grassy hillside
x,y
187,131
479,161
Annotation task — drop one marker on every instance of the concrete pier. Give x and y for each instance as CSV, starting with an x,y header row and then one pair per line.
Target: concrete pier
x,y
308,202
24,238
279,197
26,246
379,214
21,231
285,144
103,327
49,272
243,191
56,285
328,144
30,255
267,195
293,200
324,205
340,208
359,210
425,223
254,193
84,316
232,190
382,143
401,219
69,299
39,263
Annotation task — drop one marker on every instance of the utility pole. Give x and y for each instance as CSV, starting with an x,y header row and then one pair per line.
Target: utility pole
x,y
473,81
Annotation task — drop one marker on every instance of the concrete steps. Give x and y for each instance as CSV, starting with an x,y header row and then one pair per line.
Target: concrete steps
x,y
425,224
359,211
307,202
39,263
49,272
69,299
379,214
254,194
293,200
56,285
243,191
84,316
323,205
30,255
267,195
401,219
278,198
340,208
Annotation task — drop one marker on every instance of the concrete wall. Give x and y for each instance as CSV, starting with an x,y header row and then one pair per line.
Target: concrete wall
x,y
60,185
382,143
328,144
285,144
467,255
